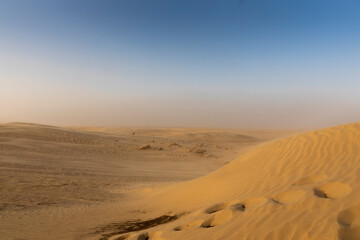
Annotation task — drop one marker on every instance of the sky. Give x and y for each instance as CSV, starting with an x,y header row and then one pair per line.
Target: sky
x,y
180,63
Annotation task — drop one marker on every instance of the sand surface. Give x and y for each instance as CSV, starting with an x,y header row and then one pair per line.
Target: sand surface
x,y
89,182
95,183
305,186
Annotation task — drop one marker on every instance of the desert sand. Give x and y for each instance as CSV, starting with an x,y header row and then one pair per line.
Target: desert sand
x,y
102,183
67,183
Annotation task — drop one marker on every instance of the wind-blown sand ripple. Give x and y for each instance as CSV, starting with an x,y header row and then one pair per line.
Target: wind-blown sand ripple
x,y
311,179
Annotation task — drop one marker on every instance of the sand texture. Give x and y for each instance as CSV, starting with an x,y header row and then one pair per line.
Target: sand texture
x,y
77,182
305,186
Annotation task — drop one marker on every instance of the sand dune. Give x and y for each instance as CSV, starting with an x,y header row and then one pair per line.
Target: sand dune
x,y
306,186
70,183
290,171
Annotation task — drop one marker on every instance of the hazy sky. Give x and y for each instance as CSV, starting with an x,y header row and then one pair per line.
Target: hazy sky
x,y
209,63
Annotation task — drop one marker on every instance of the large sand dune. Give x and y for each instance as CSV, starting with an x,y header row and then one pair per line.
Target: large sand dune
x,y
301,187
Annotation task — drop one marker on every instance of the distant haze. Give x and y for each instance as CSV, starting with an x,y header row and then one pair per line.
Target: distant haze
x,y
235,64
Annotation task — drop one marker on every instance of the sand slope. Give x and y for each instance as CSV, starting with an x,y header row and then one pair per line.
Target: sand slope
x,y
308,180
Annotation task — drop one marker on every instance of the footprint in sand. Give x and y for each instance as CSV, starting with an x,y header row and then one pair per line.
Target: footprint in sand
x,y
311,179
217,207
190,225
218,218
289,197
332,190
151,236
220,206
349,223
251,203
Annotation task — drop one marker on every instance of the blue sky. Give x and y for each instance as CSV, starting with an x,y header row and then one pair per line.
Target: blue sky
x,y
241,63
